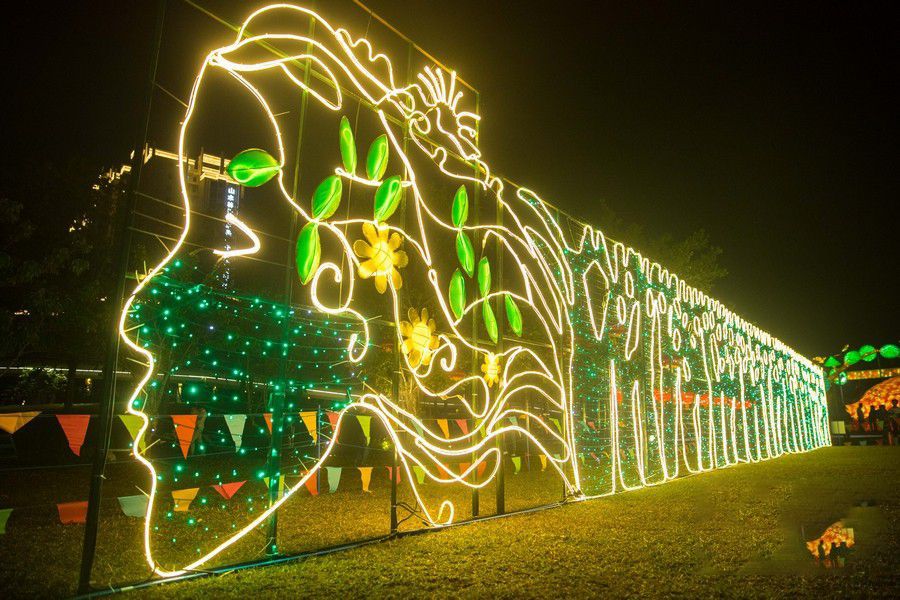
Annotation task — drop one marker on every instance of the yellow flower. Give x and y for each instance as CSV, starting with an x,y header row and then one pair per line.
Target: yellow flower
x,y
491,369
419,340
384,257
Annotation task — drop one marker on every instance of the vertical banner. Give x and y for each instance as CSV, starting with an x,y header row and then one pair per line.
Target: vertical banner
x,y
75,428
366,474
236,428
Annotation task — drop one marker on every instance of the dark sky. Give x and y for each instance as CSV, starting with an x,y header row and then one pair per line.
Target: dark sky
x,y
773,127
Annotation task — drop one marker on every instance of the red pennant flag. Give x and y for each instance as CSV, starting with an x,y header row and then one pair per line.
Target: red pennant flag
x,y
75,428
463,467
312,484
463,425
268,417
333,419
390,472
184,429
227,490
72,512
481,467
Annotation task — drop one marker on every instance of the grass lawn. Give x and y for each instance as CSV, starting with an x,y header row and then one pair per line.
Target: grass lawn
x,y
734,532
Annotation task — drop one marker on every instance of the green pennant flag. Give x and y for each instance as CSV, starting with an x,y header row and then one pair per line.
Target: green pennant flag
x,y
134,506
420,474
513,420
557,423
4,517
334,478
517,463
365,421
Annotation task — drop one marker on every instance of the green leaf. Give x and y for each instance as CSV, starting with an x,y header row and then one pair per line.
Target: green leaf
x,y
465,252
376,162
832,362
889,351
253,167
868,353
309,252
490,321
513,315
851,358
327,197
348,146
484,276
387,198
460,207
457,293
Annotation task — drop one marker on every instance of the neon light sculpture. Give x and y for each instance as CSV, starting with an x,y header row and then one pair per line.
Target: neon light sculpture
x,y
670,378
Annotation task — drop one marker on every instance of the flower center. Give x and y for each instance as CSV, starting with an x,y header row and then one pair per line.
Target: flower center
x,y
383,258
421,335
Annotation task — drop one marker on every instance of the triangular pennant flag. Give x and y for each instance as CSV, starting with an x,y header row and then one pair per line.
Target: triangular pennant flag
x,y
419,429
309,420
543,458
280,485
133,424
420,474
12,422
183,498
366,474
312,484
185,425
334,478
463,466
365,421
513,420
134,506
72,512
481,467
463,426
4,517
75,428
227,490
391,472
268,418
557,423
591,425
333,419
236,428
517,463
445,427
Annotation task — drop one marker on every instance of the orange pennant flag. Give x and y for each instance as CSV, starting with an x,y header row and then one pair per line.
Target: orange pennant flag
x,y
185,425
463,466
312,484
333,419
183,498
309,419
445,427
72,512
75,428
366,474
463,425
268,417
12,422
391,472
227,490
481,467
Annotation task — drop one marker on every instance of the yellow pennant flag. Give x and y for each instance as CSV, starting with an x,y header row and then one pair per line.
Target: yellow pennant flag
x,y
183,498
365,421
543,458
133,424
280,485
309,419
12,422
366,474
445,427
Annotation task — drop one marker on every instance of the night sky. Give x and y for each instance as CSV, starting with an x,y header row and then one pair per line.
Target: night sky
x,y
772,127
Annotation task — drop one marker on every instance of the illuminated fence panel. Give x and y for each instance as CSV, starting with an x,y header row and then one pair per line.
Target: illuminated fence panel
x,y
475,332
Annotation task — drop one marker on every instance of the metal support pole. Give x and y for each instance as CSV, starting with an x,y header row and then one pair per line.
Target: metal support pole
x,y
499,311
110,365
273,465
476,499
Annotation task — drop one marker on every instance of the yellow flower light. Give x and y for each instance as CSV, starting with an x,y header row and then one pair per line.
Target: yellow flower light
x,y
419,340
491,369
383,254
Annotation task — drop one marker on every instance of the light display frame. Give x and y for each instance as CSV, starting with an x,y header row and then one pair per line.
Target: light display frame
x,y
760,398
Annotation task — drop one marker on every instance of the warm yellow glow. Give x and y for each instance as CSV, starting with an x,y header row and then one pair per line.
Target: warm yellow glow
x,y
491,369
382,249
419,341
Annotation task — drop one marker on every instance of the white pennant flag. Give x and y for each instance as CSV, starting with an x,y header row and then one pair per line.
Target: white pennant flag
x,y
236,427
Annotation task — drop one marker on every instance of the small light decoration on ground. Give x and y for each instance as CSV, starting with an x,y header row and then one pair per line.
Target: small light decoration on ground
x,y
609,366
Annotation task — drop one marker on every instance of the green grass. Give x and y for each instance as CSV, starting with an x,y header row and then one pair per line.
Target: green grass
x,y
734,532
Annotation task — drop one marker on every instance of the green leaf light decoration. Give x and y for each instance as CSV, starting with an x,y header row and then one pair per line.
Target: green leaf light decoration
x,y
832,362
309,252
465,252
348,146
457,293
253,167
327,197
851,358
490,321
387,198
889,351
513,315
868,353
484,276
376,161
460,207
